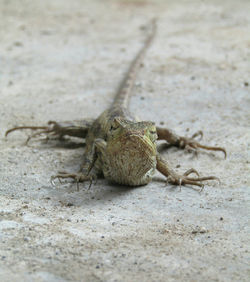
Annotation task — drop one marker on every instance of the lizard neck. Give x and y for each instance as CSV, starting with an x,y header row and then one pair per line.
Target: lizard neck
x,y
124,92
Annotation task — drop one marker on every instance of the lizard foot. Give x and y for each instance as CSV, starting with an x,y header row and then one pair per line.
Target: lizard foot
x,y
53,128
193,145
78,177
177,179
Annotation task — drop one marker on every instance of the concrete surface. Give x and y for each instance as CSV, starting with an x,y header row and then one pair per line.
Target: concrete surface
x,y
63,60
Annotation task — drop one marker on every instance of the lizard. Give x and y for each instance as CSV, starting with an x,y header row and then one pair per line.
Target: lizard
x,y
118,145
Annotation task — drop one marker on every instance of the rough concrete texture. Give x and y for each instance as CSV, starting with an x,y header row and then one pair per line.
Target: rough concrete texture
x,y
63,60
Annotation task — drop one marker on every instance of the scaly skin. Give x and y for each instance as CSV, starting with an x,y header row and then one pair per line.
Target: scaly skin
x,y
120,147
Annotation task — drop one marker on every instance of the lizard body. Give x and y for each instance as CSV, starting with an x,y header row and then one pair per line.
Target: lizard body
x,y
119,146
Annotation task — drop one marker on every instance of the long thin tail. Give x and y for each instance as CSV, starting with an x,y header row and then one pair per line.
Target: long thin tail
x,y
124,92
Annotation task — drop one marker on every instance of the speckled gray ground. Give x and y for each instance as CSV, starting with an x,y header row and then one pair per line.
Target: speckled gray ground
x,y
63,60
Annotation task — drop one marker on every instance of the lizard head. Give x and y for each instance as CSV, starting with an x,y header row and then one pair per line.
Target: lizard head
x,y
130,152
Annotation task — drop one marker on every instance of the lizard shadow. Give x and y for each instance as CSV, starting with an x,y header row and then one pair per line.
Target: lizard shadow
x,y
104,194
62,143
101,194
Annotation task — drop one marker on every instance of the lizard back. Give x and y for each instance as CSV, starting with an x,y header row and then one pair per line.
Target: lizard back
x,y
119,107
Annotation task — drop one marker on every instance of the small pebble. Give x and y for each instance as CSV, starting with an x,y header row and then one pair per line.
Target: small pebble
x,y
203,230
18,43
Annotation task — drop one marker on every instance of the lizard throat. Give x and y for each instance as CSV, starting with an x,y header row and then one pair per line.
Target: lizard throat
x,y
130,162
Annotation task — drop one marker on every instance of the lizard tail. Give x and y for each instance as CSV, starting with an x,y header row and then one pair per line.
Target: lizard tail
x,y
124,92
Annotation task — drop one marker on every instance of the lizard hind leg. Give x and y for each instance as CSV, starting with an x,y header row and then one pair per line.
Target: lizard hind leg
x,y
185,142
43,130
57,129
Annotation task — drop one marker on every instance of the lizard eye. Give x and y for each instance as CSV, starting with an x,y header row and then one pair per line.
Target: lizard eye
x,y
153,135
112,127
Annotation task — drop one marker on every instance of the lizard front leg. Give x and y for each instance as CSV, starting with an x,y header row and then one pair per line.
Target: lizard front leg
x,y
77,128
177,179
93,158
184,142
85,173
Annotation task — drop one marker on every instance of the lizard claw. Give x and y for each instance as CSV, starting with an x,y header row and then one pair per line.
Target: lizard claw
x,y
51,128
193,145
191,170
198,133
78,177
185,179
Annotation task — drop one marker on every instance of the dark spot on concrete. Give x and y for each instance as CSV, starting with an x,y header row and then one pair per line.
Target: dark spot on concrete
x,y
18,44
